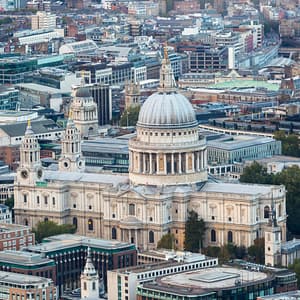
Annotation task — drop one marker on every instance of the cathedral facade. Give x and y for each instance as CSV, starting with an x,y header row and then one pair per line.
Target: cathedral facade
x,y
167,178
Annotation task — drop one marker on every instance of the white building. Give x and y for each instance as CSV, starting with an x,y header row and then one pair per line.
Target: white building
x,y
43,20
5,214
122,283
167,178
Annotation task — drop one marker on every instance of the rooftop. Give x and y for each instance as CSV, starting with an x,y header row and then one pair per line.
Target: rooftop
x,y
63,241
207,280
237,188
21,279
236,84
238,141
76,177
23,257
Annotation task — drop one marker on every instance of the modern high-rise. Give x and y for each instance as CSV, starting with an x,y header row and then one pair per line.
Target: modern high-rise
x,y
43,20
102,96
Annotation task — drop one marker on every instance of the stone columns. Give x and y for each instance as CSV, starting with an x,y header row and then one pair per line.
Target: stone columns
x,y
198,160
150,164
144,163
179,163
172,163
136,238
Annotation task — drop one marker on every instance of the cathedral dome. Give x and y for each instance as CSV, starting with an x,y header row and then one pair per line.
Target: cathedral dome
x,y
83,92
167,110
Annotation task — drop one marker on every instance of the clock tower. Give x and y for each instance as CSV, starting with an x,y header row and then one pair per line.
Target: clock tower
x,y
71,159
30,169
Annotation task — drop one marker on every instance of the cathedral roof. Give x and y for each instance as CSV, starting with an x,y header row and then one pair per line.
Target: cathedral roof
x,y
83,92
167,110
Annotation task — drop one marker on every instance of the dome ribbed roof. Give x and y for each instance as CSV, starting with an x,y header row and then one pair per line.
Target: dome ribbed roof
x,y
83,92
167,110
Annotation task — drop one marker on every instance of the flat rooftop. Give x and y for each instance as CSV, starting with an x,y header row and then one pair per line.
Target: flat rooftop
x,y
238,141
294,295
23,257
12,227
237,188
207,280
21,279
63,241
78,177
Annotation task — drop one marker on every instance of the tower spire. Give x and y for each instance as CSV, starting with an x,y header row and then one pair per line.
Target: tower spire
x,y
167,81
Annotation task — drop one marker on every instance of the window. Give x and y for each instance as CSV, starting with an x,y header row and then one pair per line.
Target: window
x,y
90,224
75,222
131,209
229,237
114,233
84,286
46,200
266,212
25,222
25,198
213,236
46,220
53,200
151,237
94,285
38,199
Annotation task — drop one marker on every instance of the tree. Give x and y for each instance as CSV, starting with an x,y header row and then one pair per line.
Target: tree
x,y
194,232
166,241
10,202
296,268
130,116
48,228
257,251
290,143
256,173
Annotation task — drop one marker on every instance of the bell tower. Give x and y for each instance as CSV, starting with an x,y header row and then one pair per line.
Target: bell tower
x,y
30,169
71,158
272,241
85,113
132,95
89,280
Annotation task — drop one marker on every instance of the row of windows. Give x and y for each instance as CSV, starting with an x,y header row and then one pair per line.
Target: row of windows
x,y
25,199
168,133
177,269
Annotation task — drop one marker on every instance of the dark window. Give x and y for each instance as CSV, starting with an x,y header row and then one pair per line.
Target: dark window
x,y
266,212
75,222
114,233
213,236
229,237
151,237
90,224
131,209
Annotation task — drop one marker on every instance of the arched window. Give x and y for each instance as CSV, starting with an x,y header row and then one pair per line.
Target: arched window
x,y
229,237
114,233
213,237
25,222
46,220
151,237
266,212
75,222
279,210
90,224
131,209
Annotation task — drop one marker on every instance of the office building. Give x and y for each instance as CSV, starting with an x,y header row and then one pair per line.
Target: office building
x,y
15,286
15,237
70,251
43,20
